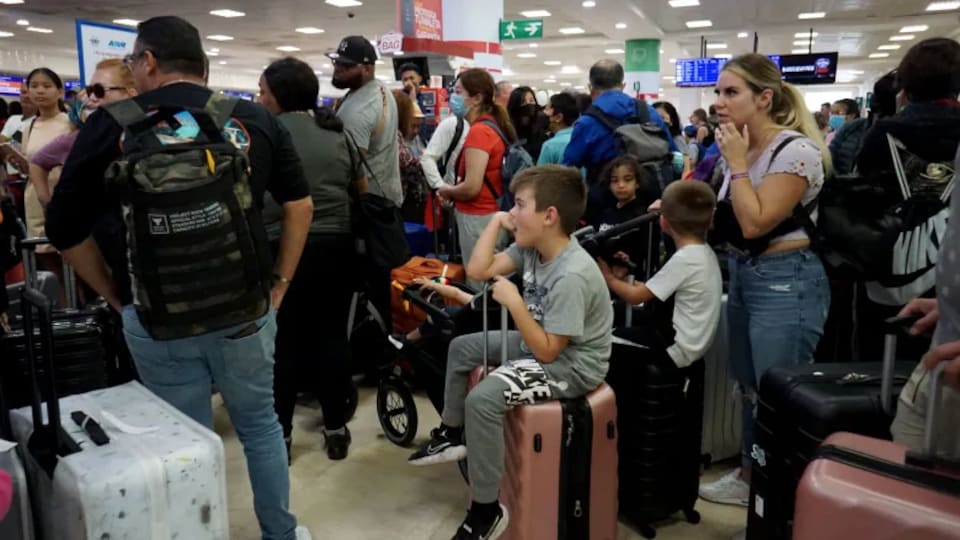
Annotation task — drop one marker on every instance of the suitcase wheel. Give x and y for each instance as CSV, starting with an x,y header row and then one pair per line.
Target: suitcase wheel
x,y
397,411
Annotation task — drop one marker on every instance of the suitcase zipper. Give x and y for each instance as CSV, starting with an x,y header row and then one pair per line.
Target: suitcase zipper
x,y
575,464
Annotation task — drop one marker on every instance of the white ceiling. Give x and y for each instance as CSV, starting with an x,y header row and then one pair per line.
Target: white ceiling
x,y
855,28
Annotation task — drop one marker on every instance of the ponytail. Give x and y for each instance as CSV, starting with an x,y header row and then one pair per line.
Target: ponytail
x,y
327,119
503,120
789,110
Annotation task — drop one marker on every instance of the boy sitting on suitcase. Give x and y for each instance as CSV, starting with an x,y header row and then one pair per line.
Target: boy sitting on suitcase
x,y
563,341
691,275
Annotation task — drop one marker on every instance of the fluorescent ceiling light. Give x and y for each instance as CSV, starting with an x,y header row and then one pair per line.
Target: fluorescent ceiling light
x,y
724,56
526,55
668,78
566,84
743,35
800,43
227,13
39,30
309,30
11,2
580,87
889,47
620,26
288,48
552,63
812,15
902,37
916,28
614,51
24,22
344,3
589,4
571,30
660,90
943,6
799,51
699,24
214,50
534,45
569,70
124,22
673,60
879,55
213,53
507,72
683,3
550,81
222,62
535,13
220,37
383,78
715,46
379,62
6,34
805,35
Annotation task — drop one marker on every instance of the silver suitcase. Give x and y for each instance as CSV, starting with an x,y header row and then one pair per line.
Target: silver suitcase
x,y
721,410
159,476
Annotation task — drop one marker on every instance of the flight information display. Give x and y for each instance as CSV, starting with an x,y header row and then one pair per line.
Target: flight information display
x,y
10,85
698,71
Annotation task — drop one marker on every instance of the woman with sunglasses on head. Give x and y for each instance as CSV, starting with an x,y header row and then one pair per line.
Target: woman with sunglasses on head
x,y
111,82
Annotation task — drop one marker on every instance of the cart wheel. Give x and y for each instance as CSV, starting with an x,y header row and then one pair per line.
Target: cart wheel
x,y
692,516
397,411
353,397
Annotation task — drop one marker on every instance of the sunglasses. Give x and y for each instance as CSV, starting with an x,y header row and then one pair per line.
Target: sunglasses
x,y
98,90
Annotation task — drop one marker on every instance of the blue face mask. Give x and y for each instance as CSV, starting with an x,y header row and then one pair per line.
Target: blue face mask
x,y
837,121
457,105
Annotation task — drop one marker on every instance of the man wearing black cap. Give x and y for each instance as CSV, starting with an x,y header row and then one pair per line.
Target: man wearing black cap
x,y
168,66
369,115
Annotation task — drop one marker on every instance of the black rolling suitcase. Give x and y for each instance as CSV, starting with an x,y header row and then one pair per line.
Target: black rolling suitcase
x,y
798,408
659,419
79,341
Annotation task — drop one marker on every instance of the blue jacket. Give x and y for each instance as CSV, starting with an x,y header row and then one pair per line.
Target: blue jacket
x,y
591,142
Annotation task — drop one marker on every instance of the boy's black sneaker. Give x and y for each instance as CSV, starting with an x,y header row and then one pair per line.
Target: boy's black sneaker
x,y
446,445
474,528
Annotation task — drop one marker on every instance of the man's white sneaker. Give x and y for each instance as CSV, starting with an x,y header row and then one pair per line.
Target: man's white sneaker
x,y
303,533
730,489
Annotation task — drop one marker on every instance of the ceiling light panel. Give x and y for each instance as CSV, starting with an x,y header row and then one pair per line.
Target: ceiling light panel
x,y
943,6
309,30
683,3
570,70
227,13
800,43
620,26
532,14
220,37
743,35
526,55
39,30
552,63
799,51
589,4
699,24
288,48
11,2
569,31
725,56
805,34
902,37
916,28
344,3
880,55
6,34
890,47
124,22
613,51
715,46
812,15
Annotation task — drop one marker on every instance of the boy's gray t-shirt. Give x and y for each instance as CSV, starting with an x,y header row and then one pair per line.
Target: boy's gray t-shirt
x,y
568,297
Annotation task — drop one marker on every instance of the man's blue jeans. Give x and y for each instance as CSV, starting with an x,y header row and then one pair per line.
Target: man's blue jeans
x,y
183,371
776,309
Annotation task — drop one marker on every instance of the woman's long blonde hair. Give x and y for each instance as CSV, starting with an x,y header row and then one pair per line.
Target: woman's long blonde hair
x,y
120,69
787,108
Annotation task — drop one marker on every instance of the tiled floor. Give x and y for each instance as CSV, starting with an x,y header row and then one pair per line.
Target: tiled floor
x,y
374,494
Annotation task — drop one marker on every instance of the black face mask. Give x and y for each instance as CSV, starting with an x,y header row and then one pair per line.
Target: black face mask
x,y
527,114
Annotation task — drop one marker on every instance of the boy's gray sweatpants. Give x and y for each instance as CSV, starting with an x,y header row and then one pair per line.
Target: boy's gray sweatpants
x,y
520,382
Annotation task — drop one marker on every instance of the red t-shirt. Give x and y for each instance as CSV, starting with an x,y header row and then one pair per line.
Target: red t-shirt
x,y
483,137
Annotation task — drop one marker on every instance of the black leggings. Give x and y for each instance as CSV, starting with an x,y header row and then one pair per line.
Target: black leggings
x,y
312,349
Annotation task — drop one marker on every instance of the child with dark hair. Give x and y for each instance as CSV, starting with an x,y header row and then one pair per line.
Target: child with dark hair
x,y
634,190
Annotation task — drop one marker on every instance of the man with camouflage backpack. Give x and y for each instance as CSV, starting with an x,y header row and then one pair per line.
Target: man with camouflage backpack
x,y
189,169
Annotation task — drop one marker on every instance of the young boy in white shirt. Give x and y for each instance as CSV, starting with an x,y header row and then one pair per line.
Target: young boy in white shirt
x,y
691,275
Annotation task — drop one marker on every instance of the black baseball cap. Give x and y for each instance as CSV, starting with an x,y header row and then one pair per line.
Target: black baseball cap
x,y
354,50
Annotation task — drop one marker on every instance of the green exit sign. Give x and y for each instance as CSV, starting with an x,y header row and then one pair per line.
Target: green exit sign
x,y
523,29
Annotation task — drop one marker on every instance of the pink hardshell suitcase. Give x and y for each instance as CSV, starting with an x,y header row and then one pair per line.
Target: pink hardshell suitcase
x,y
859,487
560,454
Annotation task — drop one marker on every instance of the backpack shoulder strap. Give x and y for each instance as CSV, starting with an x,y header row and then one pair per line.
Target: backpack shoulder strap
x,y
643,112
602,117
126,112
780,147
506,143
453,143
220,108
495,127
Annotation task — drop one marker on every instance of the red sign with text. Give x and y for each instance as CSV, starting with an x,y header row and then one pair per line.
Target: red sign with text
x,y
421,19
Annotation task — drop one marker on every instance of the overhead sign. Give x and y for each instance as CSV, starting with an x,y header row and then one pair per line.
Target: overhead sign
x,y
522,29
390,43
97,42
642,68
10,85
698,71
422,19
816,68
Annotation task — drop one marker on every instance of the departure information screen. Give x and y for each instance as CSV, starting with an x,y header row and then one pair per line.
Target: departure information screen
x,y
698,71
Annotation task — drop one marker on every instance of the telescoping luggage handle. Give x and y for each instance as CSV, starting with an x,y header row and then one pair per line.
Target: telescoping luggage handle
x,y
29,247
504,319
49,440
928,454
